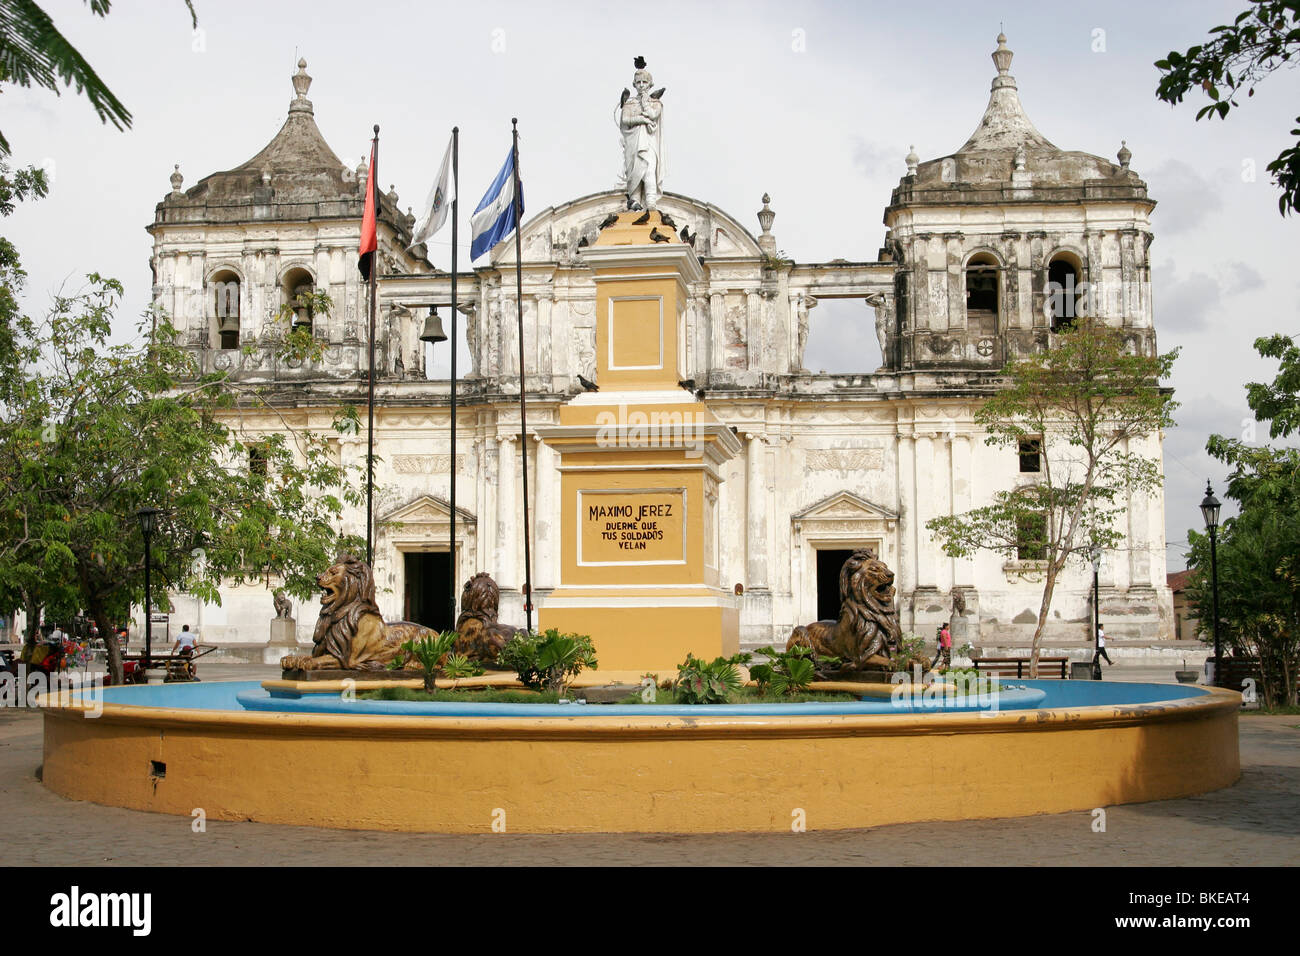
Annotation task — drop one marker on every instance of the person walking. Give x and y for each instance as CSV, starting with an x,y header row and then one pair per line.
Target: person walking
x,y
1101,645
945,647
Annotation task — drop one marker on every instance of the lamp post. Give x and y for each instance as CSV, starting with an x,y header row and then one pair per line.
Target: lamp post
x,y
1210,512
1096,614
148,518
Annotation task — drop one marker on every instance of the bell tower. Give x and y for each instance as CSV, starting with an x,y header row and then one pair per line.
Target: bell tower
x,y
250,244
1008,240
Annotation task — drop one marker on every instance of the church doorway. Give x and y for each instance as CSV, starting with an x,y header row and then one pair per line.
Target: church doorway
x,y
427,600
829,563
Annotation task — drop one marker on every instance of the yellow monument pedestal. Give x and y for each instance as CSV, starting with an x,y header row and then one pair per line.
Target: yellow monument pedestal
x,y
639,471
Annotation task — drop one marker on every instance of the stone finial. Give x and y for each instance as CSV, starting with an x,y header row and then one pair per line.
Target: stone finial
x,y
363,173
301,84
1020,159
912,160
392,193
266,177
1002,56
1124,154
176,179
766,242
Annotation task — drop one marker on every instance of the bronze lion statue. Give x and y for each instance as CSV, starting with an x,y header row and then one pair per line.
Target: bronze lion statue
x,y
350,633
480,637
867,629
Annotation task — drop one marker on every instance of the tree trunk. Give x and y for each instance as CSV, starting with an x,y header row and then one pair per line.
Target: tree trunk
x,y
1048,587
116,674
33,611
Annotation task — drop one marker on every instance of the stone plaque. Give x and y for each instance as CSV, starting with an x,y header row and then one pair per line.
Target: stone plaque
x,y
644,526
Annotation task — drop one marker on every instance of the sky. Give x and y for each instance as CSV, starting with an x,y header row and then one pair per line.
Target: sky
x,y
813,103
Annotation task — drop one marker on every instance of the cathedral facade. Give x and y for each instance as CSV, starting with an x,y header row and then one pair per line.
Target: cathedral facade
x,y
976,243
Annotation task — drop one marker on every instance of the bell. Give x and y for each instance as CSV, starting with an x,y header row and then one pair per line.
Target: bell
x,y
229,324
433,328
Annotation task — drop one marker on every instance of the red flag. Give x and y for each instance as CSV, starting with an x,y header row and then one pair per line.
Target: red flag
x,y
369,234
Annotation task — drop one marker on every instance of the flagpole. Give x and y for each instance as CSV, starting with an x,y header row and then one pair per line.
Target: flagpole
x,y
370,403
455,178
523,413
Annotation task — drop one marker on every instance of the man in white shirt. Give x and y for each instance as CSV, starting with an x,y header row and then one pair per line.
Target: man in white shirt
x,y
1101,645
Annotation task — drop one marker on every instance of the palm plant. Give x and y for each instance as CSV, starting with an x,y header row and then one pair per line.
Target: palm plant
x,y
34,53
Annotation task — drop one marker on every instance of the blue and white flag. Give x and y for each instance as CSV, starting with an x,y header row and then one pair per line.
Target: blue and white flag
x,y
495,216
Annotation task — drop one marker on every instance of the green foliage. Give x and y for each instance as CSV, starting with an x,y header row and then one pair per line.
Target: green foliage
x,y
1088,400
789,672
1258,551
476,696
911,653
460,665
548,660
714,682
1261,39
298,342
428,651
90,432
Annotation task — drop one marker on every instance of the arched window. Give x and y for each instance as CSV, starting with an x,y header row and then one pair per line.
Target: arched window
x,y
298,288
1065,291
223,300
982,288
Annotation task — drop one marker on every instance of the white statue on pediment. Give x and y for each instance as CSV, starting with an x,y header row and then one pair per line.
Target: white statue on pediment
x,y
640,121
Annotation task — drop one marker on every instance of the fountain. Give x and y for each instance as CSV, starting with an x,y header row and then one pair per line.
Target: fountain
x,y
311,752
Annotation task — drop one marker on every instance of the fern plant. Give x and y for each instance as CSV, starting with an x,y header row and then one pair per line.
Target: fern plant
x,y
789,672
429,651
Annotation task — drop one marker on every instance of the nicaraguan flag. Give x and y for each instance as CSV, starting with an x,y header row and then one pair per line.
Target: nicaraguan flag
x,y
496,215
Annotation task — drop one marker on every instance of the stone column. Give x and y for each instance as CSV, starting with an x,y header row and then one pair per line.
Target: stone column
x,y
545,352
756,543
963,569
926,561
508,516
907,570
546,573
754,329
718,331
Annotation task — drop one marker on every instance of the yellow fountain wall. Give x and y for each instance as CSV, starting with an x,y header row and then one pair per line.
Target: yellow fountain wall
x,y
640,774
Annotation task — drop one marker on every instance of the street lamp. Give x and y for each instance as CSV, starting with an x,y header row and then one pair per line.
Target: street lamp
x,y
1096,614
148,518
1210,512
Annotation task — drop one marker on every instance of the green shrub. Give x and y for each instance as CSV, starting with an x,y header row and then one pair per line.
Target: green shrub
x,y
708,683
789,672
549,660
911,650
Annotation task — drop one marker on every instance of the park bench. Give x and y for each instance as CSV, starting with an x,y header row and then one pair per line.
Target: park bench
x,y
1019,666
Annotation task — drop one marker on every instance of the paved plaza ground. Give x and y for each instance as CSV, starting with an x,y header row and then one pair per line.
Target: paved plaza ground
x,y
1252,823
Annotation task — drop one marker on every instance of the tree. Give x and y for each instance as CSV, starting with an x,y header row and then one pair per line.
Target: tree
x,y
1259,550
1079,407
1238,56
34,53
90,433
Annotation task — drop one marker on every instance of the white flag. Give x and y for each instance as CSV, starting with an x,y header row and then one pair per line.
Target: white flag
x,y
438,203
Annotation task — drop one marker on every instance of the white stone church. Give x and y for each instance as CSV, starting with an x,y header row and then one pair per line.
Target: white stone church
x,y
830,462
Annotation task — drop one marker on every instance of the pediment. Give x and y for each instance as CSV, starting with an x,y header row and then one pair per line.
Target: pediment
x,y
845,506
552,235
427,509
